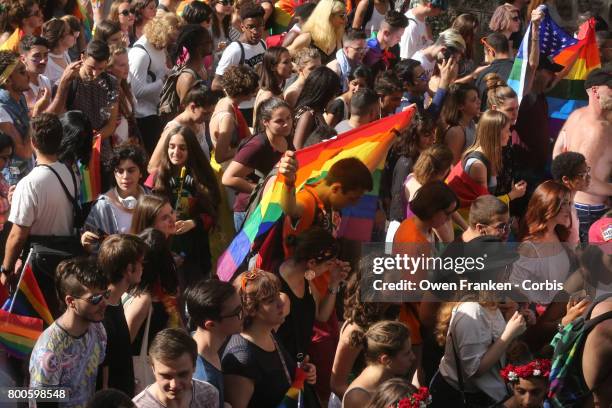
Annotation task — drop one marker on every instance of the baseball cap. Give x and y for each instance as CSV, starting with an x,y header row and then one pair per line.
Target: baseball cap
x,y
441,4
600,233
599,76
548,64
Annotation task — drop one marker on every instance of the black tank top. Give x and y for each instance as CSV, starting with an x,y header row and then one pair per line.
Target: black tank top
x,y
296,332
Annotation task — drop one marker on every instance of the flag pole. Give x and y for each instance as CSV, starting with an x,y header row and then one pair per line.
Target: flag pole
x,y
20,278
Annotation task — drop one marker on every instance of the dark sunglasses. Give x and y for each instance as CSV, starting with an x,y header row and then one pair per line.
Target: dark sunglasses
x,y
96,299
516,18
128,12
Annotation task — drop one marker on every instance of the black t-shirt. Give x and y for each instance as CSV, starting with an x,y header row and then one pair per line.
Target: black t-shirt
x,y
264,368
118,351
296,331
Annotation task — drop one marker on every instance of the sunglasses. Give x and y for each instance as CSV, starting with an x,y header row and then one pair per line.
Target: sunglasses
x,y
516,18
127,12
96,299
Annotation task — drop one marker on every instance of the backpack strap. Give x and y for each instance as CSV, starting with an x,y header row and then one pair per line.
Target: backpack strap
x,y
149,72
241,53
479,156
72,199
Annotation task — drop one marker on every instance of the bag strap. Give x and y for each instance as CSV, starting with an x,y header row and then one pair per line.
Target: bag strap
x,y
72,199
282,359
144,346
459,368
151,74
241,53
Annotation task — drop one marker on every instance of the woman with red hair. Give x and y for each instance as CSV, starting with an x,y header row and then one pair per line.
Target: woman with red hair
x,y
545,229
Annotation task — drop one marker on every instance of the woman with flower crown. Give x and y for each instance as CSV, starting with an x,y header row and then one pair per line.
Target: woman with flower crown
x,y
529,384
399,393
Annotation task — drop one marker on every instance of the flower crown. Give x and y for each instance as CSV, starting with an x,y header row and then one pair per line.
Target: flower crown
x,y
419,399
537,368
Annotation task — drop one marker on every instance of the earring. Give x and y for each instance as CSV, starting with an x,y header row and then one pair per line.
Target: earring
x,y
309,275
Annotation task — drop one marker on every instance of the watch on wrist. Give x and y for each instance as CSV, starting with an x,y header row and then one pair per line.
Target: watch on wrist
x,y
4,271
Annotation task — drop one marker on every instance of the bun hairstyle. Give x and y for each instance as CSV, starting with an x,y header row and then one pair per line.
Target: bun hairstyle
x,y
314,243
498,92
387,337
254,286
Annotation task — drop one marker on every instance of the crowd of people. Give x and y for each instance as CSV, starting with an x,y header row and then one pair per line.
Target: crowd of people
x,y
136,137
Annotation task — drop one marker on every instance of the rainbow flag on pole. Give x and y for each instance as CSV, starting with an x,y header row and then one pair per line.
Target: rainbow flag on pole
x,y
18,334
28,299
294,396
369,143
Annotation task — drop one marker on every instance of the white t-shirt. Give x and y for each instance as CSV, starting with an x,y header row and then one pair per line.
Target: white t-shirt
x,y
253,56
374,24
474,329
39,201
427,65
54,71
414,38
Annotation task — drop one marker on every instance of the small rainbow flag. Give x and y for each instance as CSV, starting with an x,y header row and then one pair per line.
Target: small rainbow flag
x,y
91,183
369,143
28,299
18,334
294,397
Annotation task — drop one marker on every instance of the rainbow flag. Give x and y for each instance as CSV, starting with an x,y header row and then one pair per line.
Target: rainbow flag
x,y
369,143
293,397
91,183
18,334
552,41
569,94
283,13
28,300
81,13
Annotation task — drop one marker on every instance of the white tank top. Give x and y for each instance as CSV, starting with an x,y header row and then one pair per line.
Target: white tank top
x,y
374,23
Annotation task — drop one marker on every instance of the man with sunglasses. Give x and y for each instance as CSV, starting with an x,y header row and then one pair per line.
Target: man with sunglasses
x,y
489,216
349,56
120,259
215,309
68,352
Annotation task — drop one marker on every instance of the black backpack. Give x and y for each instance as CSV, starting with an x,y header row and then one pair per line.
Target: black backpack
x,y
150,73
169,101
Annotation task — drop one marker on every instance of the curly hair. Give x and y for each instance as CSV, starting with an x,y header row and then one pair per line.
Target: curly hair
x,y
240,80
127,152
304,56
567,164
254,287
363,314
408,144
19,10
158,31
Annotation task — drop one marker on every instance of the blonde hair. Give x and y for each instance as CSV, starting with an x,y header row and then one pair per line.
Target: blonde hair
x,y
323,34
158,30
451,38
502,17
488,138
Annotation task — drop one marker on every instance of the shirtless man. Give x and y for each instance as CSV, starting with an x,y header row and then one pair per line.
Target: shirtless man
x,y
588,131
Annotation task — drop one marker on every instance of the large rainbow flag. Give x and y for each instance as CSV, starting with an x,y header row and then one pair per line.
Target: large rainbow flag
x,y
581,53
28,299
369,143
18,334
